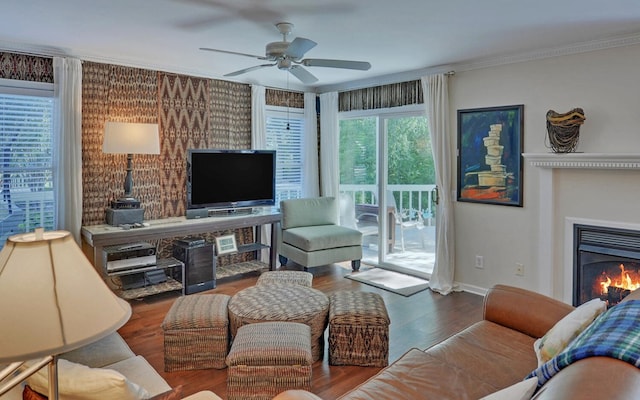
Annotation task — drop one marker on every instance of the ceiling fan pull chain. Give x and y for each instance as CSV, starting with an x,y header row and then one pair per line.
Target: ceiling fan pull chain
x,y
288,98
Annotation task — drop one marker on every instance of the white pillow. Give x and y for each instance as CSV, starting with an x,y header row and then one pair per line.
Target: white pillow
x,y
565,330
79,382
520,391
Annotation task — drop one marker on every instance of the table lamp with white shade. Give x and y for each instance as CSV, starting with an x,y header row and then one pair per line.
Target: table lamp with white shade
x,y
129,138
52,301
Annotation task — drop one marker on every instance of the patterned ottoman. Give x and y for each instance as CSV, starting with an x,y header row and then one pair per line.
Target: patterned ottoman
x,y
268,358
286,278
358,329
196,332
287,303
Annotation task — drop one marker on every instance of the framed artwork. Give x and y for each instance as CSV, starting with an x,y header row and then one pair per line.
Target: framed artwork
x,y
490,155
226,244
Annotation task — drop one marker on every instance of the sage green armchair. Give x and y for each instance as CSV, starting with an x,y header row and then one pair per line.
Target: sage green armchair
x,y
310,234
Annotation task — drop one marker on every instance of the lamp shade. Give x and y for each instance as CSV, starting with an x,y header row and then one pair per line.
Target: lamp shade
x,y
52,300
131,138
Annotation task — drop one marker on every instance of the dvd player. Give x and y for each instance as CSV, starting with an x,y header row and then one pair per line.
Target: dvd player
x,y
129,256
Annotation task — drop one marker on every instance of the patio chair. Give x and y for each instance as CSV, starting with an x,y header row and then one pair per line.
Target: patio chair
x,y
405,218
368,221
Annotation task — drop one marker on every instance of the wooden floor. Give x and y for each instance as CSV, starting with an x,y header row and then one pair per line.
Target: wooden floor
x,y
417,321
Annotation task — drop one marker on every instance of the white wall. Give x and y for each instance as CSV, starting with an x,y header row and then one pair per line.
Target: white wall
x,y
605,84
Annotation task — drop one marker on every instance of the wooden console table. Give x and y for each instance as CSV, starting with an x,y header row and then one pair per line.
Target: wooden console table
x,y
98,236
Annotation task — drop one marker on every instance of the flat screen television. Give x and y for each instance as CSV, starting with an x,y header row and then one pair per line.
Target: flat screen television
x,y
230,179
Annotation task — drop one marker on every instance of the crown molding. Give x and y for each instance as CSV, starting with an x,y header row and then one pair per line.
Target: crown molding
x,y
577,48
583,160
494,61
33,50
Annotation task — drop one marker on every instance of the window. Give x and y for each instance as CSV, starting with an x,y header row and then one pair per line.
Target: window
x,y
285,129
26,162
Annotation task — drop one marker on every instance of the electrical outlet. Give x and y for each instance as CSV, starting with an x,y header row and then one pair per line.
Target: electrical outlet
x,y
519,269
479,262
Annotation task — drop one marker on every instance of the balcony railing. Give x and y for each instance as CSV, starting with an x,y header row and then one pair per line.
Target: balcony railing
x,y
25,210
409,199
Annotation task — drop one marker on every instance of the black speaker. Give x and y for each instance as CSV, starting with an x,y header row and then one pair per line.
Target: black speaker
x,y
199,264
123,216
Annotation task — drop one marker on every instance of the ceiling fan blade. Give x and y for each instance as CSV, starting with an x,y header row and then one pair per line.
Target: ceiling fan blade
x,y
242,71
346,64
302,74
234,53
299,47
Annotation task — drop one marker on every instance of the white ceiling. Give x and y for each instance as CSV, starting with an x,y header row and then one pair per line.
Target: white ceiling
x,y
395,36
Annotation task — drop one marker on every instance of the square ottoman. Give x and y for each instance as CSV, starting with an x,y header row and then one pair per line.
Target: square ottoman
x,y
267,358
358,329
196,333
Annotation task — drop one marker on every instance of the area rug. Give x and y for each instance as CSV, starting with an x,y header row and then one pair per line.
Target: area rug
x,y
395,282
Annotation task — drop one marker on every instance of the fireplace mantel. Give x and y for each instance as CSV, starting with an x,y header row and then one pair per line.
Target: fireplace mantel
x,y
547,163
584,160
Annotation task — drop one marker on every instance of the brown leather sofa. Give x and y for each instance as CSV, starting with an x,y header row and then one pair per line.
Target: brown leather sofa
x,y
492,354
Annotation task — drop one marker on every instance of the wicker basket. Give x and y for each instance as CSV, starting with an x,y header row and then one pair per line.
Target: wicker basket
x,y
564,130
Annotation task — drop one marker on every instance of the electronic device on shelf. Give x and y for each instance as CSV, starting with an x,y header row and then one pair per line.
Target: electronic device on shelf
x,y
128,256
229,180
147,278
199,263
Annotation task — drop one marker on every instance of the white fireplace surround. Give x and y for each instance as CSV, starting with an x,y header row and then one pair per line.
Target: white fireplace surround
x,y
547,162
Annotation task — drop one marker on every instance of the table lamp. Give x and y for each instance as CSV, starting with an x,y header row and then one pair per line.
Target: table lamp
x,y
130,138
52,301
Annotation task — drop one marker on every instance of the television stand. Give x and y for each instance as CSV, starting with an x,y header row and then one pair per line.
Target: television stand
x,y
98,236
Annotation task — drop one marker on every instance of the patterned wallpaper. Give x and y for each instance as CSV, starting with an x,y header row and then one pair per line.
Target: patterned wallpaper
x,y
122,94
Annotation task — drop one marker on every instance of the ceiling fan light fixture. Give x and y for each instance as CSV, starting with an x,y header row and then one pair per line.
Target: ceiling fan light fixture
x,y
284,64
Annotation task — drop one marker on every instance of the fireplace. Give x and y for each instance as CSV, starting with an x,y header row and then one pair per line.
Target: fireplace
x,y
606,263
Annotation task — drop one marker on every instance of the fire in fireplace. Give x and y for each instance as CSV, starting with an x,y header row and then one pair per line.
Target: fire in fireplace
x,y
606,263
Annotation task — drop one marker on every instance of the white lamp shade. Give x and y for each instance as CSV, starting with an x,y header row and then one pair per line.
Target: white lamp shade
x,y
131,138
52,300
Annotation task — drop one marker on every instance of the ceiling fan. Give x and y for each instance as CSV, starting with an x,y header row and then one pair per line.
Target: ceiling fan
x,y
289,56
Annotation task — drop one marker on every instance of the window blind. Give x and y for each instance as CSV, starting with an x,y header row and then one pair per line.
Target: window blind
x,y
26,164
284,134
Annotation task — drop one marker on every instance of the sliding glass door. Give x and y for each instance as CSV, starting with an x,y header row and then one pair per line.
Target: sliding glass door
x,y
387,169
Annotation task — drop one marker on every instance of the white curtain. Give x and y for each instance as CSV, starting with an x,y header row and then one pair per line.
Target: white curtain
x,y
329,175
310,184
436,99
67,77
259,142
